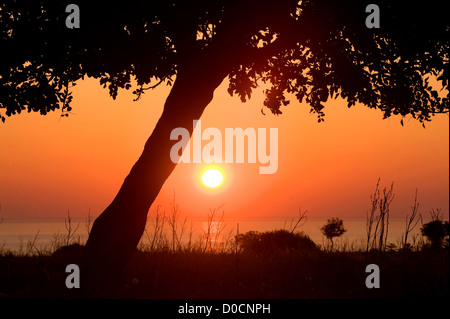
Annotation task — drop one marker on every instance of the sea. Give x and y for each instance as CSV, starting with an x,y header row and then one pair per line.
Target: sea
x,y
32,236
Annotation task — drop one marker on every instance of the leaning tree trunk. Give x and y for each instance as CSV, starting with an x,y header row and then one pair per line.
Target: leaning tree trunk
x,y
117,231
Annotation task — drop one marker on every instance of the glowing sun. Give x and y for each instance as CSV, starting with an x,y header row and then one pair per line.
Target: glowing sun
x,y
212,177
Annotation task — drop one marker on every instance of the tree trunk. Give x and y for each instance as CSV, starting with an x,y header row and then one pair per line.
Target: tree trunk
x,y
117,231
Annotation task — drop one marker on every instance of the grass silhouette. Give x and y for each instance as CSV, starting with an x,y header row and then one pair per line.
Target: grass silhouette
x,y
278,264
268,271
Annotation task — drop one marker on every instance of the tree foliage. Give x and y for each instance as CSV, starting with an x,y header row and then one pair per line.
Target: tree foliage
x,y
310,50
333,228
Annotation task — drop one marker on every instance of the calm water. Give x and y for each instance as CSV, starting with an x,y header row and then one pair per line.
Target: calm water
x,y
18,235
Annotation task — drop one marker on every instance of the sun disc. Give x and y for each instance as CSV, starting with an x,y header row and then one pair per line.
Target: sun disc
x,y
212,177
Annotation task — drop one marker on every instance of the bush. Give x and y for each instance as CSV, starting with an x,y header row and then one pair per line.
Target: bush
x,y
272,241
435,231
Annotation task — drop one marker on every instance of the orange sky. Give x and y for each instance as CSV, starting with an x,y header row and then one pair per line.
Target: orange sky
x,y
50,165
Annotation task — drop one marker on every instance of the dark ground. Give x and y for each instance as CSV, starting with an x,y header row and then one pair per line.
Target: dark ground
x,y
278,275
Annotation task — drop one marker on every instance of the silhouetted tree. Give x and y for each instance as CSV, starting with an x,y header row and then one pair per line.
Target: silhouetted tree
x,y
333,228
311,50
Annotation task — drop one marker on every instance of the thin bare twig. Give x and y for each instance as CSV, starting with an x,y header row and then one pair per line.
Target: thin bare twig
x,y
70,230
301,220
411,221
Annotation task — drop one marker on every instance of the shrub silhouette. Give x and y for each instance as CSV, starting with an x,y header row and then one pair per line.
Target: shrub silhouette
x,y
435,231
275,241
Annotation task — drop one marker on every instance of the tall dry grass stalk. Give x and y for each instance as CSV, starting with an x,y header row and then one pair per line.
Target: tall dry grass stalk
x,y
177,228
377,222
213,230
411,223
170,232
70,229
154,233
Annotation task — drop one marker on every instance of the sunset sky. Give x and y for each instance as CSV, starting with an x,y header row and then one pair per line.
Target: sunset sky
x,y
49,165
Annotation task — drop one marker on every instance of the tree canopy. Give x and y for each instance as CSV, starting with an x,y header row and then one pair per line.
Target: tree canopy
x,y
333,228
313,50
